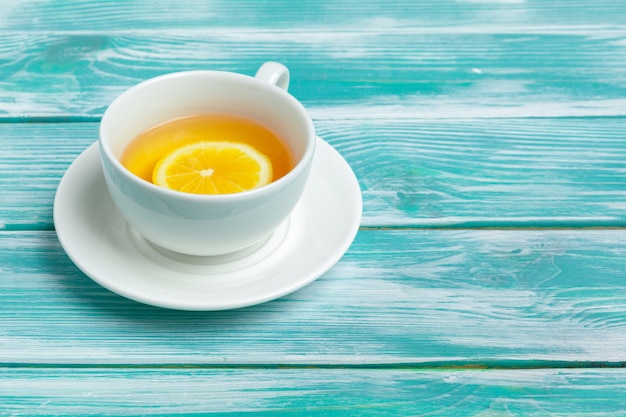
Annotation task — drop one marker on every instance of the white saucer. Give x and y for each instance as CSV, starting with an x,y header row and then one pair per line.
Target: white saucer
x,y
316,235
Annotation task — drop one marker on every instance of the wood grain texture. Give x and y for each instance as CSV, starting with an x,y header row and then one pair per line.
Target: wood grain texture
x,y
401,59
458,117
481,297
316,392
192,15
428,173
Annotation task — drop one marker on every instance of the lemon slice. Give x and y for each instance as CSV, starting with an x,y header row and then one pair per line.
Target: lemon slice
x,y
213,168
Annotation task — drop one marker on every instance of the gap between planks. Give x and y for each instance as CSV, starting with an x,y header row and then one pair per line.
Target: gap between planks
x,y
45,227
97,118
421,366
486,226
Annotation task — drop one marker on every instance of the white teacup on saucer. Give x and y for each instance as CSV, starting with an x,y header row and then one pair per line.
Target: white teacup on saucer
x,y
200,224
315,236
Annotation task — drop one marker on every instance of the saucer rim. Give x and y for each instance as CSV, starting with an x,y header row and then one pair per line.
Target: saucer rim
x,y
306,277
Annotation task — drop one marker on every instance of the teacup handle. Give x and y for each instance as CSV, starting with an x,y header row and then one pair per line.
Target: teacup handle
x,y
274,73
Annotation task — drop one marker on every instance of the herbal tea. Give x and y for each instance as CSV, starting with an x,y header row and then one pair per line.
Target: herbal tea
x,y
154,154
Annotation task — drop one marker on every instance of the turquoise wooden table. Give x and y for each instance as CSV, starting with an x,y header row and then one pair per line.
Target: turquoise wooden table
x,y
488,276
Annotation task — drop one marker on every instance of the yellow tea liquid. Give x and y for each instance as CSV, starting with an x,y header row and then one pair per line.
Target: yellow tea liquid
x,y
142,154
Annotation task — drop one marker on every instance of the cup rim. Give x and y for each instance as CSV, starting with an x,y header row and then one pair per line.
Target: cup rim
x,y
292,175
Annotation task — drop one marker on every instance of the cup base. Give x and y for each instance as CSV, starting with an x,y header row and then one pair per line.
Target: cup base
x,y
205,266
209,259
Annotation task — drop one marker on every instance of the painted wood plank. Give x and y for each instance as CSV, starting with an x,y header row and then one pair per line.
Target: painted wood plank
x,y
316,392
32,163
494,298
426,173
73,15
486,172
395,71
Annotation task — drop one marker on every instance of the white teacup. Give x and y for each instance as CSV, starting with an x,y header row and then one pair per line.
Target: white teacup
x,y
206,225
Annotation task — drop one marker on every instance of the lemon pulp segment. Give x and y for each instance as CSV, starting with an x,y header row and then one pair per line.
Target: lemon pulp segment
x,y
213,168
